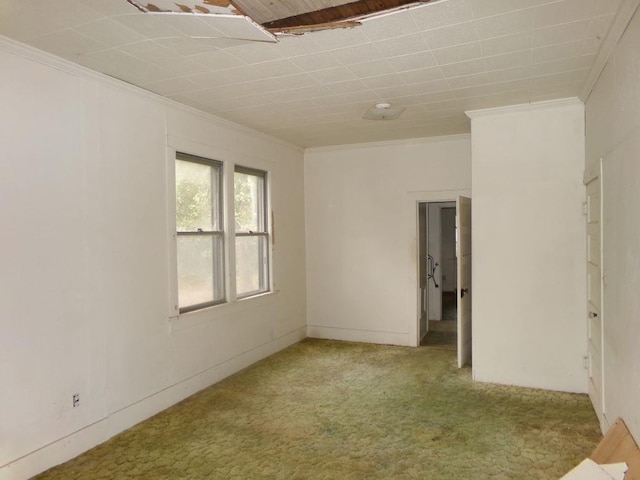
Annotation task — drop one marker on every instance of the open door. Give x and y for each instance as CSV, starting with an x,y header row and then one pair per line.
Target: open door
x,y
422,270
463,252
594,296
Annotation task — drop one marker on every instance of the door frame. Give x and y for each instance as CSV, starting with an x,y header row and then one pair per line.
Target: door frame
x,y
411,221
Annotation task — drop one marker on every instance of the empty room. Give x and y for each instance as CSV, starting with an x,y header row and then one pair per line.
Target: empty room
x,y
229,226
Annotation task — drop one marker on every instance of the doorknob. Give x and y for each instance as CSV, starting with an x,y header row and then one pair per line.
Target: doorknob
x,y
593,315
463,291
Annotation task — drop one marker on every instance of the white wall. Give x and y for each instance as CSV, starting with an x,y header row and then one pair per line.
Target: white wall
x,y
529,267
361,220
85,280
613,123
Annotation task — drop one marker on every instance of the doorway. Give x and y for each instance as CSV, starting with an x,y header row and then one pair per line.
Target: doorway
x,y
438,274
444,247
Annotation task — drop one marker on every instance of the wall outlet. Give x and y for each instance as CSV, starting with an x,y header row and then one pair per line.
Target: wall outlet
x,y
76,400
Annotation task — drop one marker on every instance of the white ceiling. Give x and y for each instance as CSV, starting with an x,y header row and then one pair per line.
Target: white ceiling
x,y
437,60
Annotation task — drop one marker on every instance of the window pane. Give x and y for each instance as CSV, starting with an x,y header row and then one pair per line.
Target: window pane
x,y
196,197
249,198
251,264
200,278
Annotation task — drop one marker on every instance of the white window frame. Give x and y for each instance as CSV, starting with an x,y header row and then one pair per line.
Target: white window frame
x,y
222,234
266,264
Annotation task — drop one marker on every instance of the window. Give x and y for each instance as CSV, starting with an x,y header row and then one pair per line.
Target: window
x,y
200,234
252,235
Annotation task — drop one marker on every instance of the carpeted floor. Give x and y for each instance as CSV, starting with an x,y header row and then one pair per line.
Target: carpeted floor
x,y
337,410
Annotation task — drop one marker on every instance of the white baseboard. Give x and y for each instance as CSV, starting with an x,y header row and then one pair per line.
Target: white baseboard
x,y
353,335
78,442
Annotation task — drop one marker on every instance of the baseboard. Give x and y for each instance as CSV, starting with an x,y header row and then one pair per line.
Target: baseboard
x,y
78,442
354,335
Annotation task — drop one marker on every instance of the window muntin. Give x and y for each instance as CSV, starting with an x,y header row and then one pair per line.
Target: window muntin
x,y
252,233
200,235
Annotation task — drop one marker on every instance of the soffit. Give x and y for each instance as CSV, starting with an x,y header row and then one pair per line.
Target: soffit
x,y
437,60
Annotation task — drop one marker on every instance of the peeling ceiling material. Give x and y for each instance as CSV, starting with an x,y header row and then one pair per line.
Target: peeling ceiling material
x,y
354,10
211,19
186,6
263,11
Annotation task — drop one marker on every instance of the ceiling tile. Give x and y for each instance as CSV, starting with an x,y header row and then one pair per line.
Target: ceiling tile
x,y
333,75
149,26
422,75
557,51
315,61
470,67
567,32
171,86
277,68
508,60
382,80
402,45
565,11
442,14
215,60
179,66
148,50
338,38
68,13
300,80
451,36
412,61
368,96
68,43
109,32
396,25
357,54
509,43
564,65
492,89
123,66
21,23
509,74
469,80
490,8
371,69
506,24
458,54
347,87
111,8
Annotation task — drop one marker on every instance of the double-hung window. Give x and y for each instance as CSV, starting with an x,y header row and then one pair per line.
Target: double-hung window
x,y
200,232
252,232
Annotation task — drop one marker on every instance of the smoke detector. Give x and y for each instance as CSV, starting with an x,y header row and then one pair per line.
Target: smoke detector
x,y
383,111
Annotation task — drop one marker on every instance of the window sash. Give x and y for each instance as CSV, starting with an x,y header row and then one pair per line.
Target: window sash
x,y
218,267
262,231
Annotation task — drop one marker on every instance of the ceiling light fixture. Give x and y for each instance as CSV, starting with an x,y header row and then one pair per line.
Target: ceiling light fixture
x,y
383,111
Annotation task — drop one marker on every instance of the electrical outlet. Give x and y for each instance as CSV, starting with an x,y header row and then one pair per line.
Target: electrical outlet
x,y
76,400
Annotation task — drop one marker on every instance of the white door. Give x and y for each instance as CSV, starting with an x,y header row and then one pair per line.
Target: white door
x,y
594,295
463,252
422,270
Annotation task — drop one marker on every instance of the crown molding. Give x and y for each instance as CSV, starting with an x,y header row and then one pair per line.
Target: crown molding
x,y
625,14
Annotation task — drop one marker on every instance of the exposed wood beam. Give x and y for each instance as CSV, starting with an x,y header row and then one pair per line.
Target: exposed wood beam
x,y
339,13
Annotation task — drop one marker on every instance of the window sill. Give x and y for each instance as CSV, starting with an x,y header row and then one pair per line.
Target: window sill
x,y
222,311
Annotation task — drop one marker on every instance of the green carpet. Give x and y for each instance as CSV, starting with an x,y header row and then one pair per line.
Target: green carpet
x,y
337,410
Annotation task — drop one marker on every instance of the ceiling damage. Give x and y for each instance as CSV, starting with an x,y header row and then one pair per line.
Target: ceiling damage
x,y
257,21
432,60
